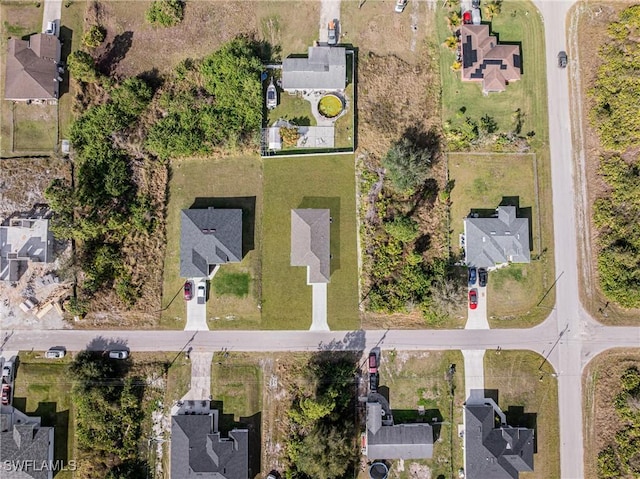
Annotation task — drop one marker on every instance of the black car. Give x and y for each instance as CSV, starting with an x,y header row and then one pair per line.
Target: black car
x,y
562,59
482,277
373,382
475,3
472,276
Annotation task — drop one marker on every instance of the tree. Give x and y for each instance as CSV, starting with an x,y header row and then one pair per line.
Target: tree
x,y
492,8
82,66
93,37
165,13
408,165
327,452
451,42
403,229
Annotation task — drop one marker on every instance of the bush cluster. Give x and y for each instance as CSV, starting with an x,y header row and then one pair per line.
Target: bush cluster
x,y
165,13
94,36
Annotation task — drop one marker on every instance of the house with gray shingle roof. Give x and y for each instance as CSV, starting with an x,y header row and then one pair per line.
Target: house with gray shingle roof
x,y
32,68
24,446
23,240
492,452
504,238
199,451
325,68
209,237
310,245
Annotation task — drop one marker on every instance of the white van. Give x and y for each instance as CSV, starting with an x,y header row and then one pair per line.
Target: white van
x,y
52,28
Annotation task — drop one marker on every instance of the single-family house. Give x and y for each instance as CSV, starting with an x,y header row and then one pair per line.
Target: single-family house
x,y
199,451
209,237
504,238
490,451
23,240
32,71
485,60
310,243
26,448
325,68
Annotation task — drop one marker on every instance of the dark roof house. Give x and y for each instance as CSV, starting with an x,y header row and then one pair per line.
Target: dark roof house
x,y
26,445
310,245
198,450
483,59
386,440
325,68
23,239
501,239
209,237
32,68
494,452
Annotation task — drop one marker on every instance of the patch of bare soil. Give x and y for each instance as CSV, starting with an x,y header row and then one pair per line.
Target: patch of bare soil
x,y
587,32
601,383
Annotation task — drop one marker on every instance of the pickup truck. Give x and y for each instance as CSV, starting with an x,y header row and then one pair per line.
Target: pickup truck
x,y
332,38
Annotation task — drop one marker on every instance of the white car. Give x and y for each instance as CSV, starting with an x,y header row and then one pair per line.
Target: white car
x,y
52,28
400,4
119,354
202,292
7,370
55,353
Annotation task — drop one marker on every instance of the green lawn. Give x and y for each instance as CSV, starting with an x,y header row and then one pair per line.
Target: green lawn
x,y
480,182
519,21
43,389
236,284
528,395
419,379
35,127
312,182
236,381
220,182
292,108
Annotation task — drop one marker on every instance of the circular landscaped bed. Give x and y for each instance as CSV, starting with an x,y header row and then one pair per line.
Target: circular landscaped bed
x,y
330,106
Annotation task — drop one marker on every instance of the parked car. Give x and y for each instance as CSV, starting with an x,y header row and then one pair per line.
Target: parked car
x,y
332,38
373,363
476,17
6,394
188,290
482,277
475,3
373,382
466,18
562,59
472,273
400,4
52,28
202,292
473,299
119,354
56,352
7,371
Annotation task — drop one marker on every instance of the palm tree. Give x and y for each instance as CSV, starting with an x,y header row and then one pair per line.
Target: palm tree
x,y
491,9
451,42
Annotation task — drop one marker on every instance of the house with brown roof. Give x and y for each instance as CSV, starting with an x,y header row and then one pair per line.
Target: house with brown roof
x,y
31,72
483,59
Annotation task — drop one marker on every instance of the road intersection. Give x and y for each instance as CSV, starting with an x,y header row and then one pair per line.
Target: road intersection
x,y
568,339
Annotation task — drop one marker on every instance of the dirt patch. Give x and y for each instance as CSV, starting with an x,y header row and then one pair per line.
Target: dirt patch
x,y
588,31
601,383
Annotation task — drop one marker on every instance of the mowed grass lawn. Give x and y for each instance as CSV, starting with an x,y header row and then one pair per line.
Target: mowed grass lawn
x,y
528,395
43,389
481,181
420,379
518,21
234,182
236,381
311,182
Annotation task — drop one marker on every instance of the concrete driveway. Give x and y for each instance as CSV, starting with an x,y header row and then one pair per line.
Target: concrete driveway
x,y
51,12
196,313
329,10
200,387
319,314
477,318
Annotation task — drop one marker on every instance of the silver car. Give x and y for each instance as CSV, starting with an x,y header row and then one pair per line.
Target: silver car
x,y
119,354
56,352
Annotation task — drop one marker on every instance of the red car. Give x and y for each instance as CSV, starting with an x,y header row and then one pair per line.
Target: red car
x,y
373,363
188,290
466,18
473,299
6,392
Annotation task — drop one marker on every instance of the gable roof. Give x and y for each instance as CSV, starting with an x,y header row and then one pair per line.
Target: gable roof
x,y
31,71
310,243
27,443
494,453
208,237
492,241
23,239
198,451
325,68
483,59
399,441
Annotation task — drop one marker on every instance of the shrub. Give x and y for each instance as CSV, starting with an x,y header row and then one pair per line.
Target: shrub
x,y
403,229
408,164
93,37
82,66
165,13
289,136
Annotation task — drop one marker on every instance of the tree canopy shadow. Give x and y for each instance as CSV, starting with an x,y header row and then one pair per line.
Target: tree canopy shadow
x,y
116,51
352,341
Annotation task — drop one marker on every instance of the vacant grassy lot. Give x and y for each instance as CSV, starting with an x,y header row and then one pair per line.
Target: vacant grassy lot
x,y
42,389
236,381
35,127
601,383
420,379
529,397
233,182
483,181
520,22
312,182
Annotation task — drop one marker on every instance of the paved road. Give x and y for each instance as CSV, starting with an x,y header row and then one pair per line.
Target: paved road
x,y
52,11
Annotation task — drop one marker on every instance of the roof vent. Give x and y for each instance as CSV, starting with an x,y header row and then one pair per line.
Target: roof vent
x,y
507,232
208,231
493,232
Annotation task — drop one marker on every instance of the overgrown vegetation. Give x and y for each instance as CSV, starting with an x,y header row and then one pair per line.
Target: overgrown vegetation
x,y
94,36
322,431
407,164
622,457
82,67
615,117
213,103
165,13
108,408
